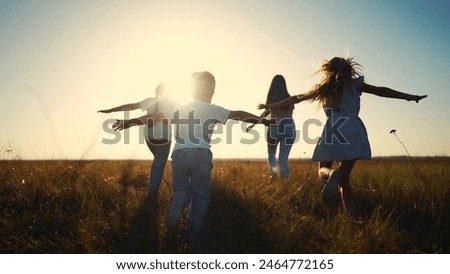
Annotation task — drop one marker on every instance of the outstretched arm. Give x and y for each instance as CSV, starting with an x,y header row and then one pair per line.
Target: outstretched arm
x,y
390,93
287,102
247,117
132,106
148,119
263,115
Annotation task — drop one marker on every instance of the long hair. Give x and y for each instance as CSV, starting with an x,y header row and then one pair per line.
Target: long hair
x,y
337,73
278,91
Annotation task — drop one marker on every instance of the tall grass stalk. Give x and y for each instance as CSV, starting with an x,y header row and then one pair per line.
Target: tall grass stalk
x,y
412,161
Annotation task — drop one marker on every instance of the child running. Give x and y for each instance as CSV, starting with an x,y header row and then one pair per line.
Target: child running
x,y
191,156
157,136
344,137
281,133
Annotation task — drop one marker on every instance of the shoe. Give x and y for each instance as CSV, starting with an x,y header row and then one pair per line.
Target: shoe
x,y
330,192
272,179
175,209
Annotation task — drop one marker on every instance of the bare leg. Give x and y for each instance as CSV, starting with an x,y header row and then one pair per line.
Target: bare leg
x,y
325,169
347,192
331,195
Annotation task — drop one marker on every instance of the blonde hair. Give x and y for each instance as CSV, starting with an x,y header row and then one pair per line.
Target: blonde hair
x,y
337,73
203,85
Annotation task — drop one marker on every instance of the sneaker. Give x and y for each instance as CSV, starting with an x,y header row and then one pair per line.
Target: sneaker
x,y
272,179
330,191
175,209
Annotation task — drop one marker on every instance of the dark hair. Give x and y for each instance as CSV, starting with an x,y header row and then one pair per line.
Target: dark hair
x,y
278,91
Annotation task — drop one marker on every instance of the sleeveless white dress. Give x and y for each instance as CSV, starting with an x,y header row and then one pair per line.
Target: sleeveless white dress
x,y
344,136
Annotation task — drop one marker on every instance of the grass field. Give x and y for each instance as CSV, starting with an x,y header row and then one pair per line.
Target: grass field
x,y
98,207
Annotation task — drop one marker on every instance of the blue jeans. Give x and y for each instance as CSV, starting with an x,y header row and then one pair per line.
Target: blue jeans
x,y
191,174
160,150
282,134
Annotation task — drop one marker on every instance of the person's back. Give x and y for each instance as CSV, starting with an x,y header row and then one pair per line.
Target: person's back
x,y
195,123
282,132
350,101
283,112
192,157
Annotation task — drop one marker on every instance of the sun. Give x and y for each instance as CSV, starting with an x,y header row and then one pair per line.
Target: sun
x,y
176,56
178,90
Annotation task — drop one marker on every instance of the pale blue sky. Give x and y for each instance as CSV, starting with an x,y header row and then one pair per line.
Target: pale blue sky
x,y
61,61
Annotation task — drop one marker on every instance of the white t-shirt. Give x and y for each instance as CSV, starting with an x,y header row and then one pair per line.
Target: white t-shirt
x,y
194,123
159,130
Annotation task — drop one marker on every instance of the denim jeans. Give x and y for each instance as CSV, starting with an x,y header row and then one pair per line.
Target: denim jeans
x,y
281,134
191,174
160,150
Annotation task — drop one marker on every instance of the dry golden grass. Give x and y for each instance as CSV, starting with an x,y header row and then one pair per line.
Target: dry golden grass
x,y
98,207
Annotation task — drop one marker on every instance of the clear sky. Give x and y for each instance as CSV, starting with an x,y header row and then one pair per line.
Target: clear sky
x,y
61,61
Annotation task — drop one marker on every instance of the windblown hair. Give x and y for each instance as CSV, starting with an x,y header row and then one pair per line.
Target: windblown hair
x,y
337,73
278,91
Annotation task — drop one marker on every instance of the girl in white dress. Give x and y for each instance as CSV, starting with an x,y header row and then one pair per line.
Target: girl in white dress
x,y
344,137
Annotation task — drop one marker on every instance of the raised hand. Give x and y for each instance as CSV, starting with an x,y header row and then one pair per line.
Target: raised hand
x,y
119,125
262,106
417,98
264,121
104,111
